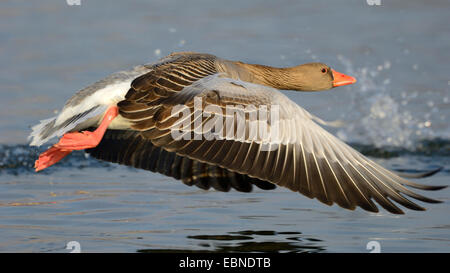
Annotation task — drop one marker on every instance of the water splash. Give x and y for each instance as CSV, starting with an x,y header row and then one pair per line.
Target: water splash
x,y
381,119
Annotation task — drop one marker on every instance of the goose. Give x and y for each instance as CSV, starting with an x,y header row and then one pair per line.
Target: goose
x,y
130,118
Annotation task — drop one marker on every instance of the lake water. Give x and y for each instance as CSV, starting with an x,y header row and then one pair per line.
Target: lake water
x,y
397,113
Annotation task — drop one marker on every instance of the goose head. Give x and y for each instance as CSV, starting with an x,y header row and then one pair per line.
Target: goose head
x,y
315,77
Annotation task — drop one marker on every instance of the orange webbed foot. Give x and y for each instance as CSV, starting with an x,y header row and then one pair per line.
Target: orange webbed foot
x,y
50,157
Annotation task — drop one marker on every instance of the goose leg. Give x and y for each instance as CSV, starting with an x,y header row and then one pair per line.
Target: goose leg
x,y
75,141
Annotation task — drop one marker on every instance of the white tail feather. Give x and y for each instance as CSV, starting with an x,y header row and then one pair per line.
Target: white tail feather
x,y
48,128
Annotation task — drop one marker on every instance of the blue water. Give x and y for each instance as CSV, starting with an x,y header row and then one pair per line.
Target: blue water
x,y
397,114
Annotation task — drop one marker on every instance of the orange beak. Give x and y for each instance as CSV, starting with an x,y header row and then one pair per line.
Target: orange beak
x,y
341,79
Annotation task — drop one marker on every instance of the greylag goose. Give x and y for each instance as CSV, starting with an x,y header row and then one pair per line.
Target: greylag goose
x,y
130,118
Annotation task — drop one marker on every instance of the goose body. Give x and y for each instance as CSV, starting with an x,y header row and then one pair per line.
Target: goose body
x,y
129,118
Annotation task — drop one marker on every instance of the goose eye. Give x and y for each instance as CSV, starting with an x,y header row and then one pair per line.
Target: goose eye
x,y
324,70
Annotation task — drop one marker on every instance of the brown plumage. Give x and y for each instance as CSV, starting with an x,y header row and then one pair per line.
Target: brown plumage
x,y
300,155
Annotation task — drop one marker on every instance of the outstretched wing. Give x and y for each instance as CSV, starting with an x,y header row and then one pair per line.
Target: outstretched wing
x,y
301,155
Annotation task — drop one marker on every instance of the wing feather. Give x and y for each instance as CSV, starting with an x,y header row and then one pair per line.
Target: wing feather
x,y
304,157
300,155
